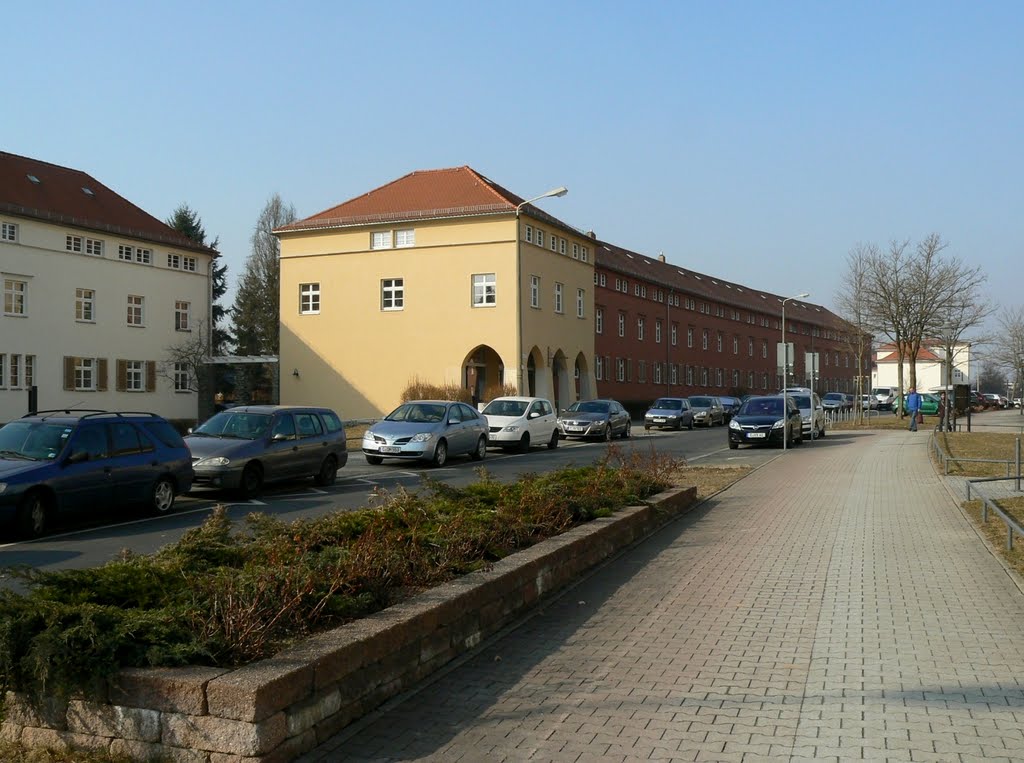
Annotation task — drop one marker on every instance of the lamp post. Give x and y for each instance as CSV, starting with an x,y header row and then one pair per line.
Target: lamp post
x,y
560,191
785,370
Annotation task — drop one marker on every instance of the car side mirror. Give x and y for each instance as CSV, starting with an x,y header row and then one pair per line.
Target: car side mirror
x,y
280,436
534,415
452,421
78,457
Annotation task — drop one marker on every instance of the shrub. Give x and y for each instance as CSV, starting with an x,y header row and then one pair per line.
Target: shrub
x,y
226,596
420,390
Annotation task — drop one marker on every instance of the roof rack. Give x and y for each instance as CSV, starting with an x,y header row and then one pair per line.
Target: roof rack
x,y
89,412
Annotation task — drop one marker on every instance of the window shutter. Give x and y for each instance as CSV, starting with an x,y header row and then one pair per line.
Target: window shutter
x,y
150,376
121,382
69,373
101,374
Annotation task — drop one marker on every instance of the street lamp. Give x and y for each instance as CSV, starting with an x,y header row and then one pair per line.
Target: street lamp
x,y
560,191
785,370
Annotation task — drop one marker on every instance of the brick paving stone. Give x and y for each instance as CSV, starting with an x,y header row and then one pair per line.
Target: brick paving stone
x,y
835,604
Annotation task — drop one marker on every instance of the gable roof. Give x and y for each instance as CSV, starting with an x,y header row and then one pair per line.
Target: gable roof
x,y
51,193
424,195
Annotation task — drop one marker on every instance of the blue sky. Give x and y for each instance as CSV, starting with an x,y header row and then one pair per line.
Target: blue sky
x,y
758,142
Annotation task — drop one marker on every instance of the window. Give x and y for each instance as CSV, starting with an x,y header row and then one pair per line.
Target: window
x,y
174,261
584,255
188,263
180,262
559,306
540,237
704,377
640,329
674,332
529,234
392,294
561,246
735,378
764,350
625,286
135,310
485,290
85,373
718,377
657,373
704,339
405,237
133,381
636,290
718,342
30,370
309,298
181,377
73,243
689,375
554,243
641,371
94,246
689,336
576,254
622,324
750,349
534,291
620,369
145,256
735,345
134,254
599,368
580,303
604,280
15,372
598,320
657,331
380,239
15,296
85,305
182,315
8,231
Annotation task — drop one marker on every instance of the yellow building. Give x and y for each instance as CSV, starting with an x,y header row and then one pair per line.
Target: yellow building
x,y
441,276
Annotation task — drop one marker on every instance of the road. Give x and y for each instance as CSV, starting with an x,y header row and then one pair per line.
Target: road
x,y
98,540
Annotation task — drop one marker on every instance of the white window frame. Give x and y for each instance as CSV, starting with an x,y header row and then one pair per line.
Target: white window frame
x,y
174,261
689,337
8,231
392,290
182,315
136,315
598,320
581,303
181,377
704,339
674,334
673,374
126,252
540,238
381,239
15,297
604,280
485,289
85,374
640,328
554,243
85,305
405,238
3,371
94,247
529,234
30,370
620,369
14,371
143,256
657,330
559,298
585,257
535,291
189,263
622,324
598,368
656,378
309,298
134,376
73,243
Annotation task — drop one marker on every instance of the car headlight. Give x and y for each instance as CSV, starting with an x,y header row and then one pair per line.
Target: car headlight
x,y
511,428
367,435
422,437
215,461
734,424
3,486
779,424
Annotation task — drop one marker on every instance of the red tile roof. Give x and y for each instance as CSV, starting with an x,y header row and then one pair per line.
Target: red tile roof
x,y
64,196
424,194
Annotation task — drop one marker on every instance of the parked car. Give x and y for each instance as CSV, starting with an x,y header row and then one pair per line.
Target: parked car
x,y
730,405
707,410
834,401
245,447
516,423
929,404
886,396
594,418
764,420
869,402
811,410
669,413
427,430
55,463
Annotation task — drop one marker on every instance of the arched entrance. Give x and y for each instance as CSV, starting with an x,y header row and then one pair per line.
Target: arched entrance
x,y
563,391
483,374
583,378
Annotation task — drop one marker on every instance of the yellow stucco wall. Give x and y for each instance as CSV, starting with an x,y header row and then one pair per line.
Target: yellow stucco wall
x,y
358,358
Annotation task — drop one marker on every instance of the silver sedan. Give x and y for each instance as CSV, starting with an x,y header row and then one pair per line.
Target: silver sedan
x,y
427,430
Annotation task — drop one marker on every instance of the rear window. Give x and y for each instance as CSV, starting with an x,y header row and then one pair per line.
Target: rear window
x,y
331,421
165,433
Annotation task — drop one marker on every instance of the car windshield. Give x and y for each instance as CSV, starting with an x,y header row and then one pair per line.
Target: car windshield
x,y
506,408
589,406
33,440
700,402
244,426
668,404
762,406
418,413
834,396
802,401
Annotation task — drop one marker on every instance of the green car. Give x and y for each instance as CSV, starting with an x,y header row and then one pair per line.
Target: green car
x,y
929,404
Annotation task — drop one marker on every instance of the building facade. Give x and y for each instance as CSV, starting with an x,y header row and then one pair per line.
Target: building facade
x,y
441,277
445,277
94,292
930,366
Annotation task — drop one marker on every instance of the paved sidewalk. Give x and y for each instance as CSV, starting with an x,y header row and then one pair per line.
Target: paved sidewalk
x,y
834,605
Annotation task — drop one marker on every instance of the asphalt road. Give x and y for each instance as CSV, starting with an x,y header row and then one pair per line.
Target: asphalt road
x,y
92,541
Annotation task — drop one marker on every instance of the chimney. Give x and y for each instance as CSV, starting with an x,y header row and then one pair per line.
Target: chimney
x,y
591,234
661,256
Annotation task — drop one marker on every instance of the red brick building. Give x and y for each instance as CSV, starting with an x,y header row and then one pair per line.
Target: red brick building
x,y
665,330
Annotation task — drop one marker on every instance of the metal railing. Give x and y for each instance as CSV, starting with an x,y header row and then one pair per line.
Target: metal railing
x,y
1013,467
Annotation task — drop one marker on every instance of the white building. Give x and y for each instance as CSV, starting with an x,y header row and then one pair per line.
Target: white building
x,y
931,366
94,292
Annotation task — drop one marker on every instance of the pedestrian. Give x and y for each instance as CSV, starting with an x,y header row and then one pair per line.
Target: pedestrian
x,y
913,408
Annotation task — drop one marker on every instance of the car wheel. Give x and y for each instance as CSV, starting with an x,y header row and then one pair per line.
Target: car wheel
x,y
607,436
252,480
162,499
524,443
821,432
440,454
481,448
628,431
33,515
733,445
690,425
647,427
374,460
679,424
328,472
553,442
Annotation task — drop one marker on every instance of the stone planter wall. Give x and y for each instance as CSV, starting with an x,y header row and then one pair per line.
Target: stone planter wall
x,y
276,709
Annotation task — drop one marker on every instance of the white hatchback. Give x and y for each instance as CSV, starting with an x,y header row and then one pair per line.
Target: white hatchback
x,y
516,423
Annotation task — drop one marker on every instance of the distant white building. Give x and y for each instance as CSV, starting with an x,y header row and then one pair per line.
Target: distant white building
x,y
931,366
94,292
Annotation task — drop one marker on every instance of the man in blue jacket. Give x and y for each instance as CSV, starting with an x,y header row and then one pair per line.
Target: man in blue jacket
x,y
913,406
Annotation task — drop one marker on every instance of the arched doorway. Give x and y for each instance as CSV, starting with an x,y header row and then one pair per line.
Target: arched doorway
x,y
583,379
562,389
483,374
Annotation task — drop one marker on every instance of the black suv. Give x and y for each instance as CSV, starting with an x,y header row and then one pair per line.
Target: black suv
x,y
69,461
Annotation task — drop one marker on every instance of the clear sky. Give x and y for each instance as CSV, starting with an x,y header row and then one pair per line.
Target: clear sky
x,y
754,141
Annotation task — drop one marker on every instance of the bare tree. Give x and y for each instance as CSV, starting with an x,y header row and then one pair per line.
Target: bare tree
x,y
187,360
1008,346
851,301
887,305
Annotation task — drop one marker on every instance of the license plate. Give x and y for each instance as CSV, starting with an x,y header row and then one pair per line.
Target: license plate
x,y
659,421
755,434
574,429
390,449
